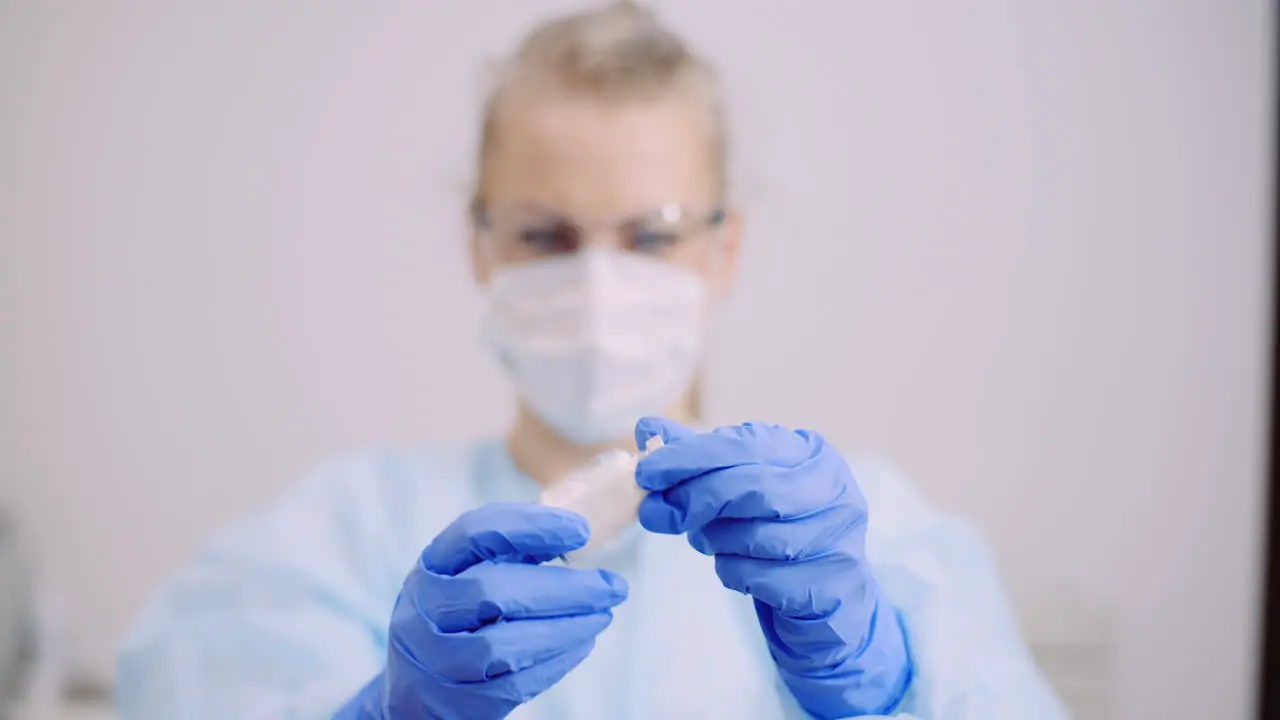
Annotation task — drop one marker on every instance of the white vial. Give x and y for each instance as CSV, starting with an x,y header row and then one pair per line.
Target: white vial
x,y
605,493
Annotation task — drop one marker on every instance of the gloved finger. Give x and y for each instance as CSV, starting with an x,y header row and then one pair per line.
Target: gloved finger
x,y
668,431
489,592
495,698
505,532
823,641
840,524
810,589
726,447
506,647
522,686
748,491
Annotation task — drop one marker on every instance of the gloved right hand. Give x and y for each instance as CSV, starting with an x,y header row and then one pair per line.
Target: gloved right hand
x,y
481,626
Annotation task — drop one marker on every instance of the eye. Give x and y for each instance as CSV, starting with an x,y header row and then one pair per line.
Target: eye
x,y
651,241
550,240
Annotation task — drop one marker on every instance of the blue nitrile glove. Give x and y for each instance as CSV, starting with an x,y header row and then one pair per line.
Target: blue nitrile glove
x,y
480,626
786,522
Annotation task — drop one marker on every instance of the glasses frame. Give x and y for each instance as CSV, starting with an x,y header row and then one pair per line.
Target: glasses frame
x,y
681,218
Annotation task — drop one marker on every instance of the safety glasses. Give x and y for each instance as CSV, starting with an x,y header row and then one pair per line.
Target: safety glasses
x,y
674,233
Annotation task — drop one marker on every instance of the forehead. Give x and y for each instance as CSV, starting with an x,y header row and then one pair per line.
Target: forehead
x,y
589,158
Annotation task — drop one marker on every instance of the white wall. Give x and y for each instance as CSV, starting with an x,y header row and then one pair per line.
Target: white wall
x,y
1033,233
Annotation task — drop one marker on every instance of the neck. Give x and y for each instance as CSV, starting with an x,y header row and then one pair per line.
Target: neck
x,y
542,454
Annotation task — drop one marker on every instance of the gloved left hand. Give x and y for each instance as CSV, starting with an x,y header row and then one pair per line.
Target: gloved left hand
x,y
786,522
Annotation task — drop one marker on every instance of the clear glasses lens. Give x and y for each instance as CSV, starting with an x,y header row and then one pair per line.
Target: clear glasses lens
x,y
670,233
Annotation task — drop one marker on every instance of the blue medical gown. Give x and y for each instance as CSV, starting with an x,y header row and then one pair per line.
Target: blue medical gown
x,y
284,614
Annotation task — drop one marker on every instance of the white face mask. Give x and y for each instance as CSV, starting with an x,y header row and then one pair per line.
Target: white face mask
x,y
598,339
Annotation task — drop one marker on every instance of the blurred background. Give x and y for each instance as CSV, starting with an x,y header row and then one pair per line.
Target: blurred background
x,y
1018,248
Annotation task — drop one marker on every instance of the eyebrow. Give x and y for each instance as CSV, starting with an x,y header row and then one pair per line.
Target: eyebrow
x,y
547,213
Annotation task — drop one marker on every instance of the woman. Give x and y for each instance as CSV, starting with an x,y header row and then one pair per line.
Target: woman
x,y
601,237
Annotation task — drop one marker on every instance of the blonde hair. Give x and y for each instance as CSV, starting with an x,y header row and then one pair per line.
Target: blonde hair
x,y
620,52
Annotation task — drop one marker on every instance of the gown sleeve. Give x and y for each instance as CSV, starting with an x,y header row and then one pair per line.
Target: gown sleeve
x,y
969,658
279,616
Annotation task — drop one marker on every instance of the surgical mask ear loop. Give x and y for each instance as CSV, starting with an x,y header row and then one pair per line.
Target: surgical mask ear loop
x,y
605,493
